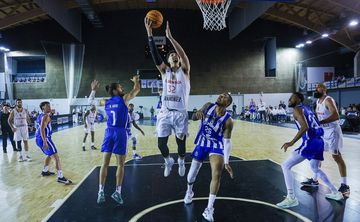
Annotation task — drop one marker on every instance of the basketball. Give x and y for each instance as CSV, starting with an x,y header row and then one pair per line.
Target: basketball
x,y
156,17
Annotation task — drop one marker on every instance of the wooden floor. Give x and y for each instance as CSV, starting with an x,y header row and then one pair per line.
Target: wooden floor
x,y
26,196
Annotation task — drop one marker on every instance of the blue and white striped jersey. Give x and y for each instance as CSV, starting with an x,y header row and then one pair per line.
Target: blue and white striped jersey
x,y
211,131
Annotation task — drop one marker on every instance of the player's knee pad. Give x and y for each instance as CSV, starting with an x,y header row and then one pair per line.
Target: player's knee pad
x,y
194,170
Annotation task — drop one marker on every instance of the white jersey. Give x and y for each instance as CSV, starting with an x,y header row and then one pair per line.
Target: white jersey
x,y
20,118
176,90
323,113
90,119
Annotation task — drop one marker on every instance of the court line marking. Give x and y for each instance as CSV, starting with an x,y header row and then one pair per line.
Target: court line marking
x,y
68,195
148,210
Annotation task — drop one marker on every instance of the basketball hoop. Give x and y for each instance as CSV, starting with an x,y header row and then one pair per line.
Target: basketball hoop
x,y
214,13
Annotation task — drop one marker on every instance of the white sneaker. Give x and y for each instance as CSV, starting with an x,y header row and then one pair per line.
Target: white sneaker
x,y
208,214
168,167
182,168
188,197
21,159
335,196
28,159
288,202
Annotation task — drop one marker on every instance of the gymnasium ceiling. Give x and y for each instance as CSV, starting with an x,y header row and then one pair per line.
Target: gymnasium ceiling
x,y
318,16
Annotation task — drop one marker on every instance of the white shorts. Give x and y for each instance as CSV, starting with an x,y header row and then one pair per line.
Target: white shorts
x,y
172,120
333,139
22,133
90,128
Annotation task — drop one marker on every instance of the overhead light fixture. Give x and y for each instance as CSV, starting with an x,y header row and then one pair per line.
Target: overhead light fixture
x,y
325,35
308,42
353,22
4,49
300,45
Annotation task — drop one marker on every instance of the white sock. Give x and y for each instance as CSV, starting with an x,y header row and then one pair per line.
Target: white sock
x,y
189,188
26,153
83,144
60,174
167,159
290,194
46,169
344,180
118,189
101,188
211,201
92,144
134,152
181,161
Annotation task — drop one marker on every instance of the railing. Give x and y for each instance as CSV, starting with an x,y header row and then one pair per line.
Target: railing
x,y
336,84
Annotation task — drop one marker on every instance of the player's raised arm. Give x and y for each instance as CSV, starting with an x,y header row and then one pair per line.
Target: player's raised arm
x,y
160,65
134,91
185,64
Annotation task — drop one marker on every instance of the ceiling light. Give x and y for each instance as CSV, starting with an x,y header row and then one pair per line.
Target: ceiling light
x,y
308,42
325,35
353,22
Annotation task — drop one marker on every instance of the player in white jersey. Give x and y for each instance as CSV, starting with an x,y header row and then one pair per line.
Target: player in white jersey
x,y
89,126
175,93
132,121
214,141
328,115
19,120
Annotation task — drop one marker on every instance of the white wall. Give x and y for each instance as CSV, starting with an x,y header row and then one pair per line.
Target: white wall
x,y
317,74
195,101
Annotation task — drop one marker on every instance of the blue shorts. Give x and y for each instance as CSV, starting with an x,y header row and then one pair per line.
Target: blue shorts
x,y
200,153
51,150
312,149
115,141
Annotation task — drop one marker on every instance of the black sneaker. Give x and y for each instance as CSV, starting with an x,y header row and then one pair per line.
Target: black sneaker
x,y
64,180
47,173
93,148
310,183
83,148
345,190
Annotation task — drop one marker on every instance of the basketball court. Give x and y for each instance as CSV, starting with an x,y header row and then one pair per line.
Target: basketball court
x,y
251,51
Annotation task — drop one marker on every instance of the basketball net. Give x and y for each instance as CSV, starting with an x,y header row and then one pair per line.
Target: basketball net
x,y
214,13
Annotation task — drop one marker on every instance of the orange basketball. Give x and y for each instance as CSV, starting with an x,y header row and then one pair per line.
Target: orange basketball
x,y
156,17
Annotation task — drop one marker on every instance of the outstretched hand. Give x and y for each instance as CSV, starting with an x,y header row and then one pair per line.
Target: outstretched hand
x,y
167,31
95,85
135,78
286,146
229,170
148,24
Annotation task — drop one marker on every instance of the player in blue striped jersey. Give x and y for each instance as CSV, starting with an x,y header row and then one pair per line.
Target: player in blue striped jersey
x,y
115,138
214,141
311,148
44,141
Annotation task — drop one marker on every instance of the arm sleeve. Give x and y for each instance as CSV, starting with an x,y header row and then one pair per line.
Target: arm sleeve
x,y
154,52
91,99
227,150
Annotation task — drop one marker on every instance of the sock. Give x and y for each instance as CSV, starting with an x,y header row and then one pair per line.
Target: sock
x,y
46,169
60,174
118,189
26,153
290,194
101,188
134,152
167,159
92,144
315,177
189,187
343,180
83,144
181,161
211,201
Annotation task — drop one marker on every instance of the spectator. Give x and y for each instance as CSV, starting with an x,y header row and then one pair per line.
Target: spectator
x,y
262,110
234,110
